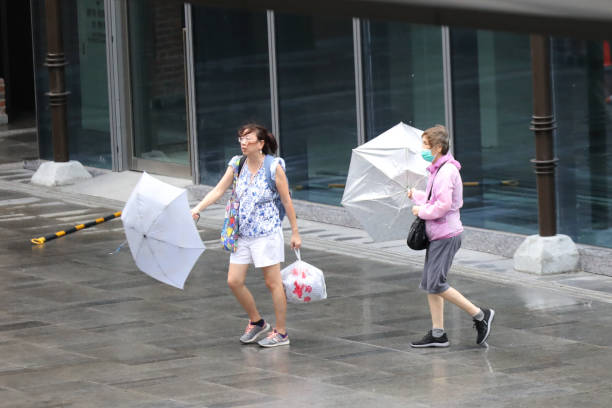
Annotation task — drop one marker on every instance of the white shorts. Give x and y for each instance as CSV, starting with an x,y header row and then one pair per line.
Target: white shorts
x,y
260,251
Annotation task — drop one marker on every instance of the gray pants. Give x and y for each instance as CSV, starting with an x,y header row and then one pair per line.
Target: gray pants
x,y
438,260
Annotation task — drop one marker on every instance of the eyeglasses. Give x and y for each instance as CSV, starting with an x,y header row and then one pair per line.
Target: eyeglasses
x,y
245,139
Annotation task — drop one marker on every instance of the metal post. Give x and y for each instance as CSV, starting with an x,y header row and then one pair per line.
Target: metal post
x,y
272,61
55,62
448,85
359,92
543,125
117,80
190,96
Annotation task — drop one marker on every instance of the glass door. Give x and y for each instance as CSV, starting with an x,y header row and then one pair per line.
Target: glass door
x,y
160,141
231,81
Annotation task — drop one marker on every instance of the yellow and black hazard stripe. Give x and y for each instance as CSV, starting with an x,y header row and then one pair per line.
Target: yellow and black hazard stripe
x,y
42,240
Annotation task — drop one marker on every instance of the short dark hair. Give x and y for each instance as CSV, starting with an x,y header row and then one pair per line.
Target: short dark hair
x,y
437,136
270,144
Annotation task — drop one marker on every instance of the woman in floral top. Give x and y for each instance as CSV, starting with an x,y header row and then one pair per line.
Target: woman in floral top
x,y
260,237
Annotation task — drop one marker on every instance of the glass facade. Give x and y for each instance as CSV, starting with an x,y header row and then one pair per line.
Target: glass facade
x,y
157,71
315,91
84,34
492,108
232,80
402,75
316,88
582,73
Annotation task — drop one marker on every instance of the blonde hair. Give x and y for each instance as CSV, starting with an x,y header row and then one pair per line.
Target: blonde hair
x,y
437,136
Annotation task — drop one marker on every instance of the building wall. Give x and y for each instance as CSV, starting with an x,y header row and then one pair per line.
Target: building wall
x,y
168,75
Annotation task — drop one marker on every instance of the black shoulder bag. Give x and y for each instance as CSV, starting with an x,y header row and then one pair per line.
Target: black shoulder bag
x,y
417,237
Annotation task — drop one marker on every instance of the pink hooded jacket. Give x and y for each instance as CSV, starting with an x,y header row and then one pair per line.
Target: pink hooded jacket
x,y
441,212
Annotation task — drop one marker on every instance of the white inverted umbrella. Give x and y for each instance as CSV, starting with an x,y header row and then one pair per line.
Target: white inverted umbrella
x,y
380,174
160,230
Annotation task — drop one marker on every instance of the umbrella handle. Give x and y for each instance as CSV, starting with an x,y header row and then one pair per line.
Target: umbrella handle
x,y
118,248
297,254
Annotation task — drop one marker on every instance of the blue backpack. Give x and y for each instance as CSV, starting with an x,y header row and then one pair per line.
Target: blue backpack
x,y
277,200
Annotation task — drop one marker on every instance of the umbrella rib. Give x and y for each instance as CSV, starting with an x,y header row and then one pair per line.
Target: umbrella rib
x,y
383,196
158,217
163,272
178,246
404,188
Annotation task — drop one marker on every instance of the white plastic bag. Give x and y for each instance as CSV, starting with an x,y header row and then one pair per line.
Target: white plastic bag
x,y
303,282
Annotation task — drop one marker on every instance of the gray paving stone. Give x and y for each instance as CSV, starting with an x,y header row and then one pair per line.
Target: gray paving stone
x,y
95,371
33,356
131,353
10,398
164,404
229,398
86,394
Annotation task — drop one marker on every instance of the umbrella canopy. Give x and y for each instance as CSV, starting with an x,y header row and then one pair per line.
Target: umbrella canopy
x,y
380,174
160,231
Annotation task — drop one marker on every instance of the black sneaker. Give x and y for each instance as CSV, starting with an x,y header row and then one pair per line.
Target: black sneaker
x,y
430,341
484,327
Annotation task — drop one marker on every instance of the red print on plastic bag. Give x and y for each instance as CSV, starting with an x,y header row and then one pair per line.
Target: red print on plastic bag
x,y
298,289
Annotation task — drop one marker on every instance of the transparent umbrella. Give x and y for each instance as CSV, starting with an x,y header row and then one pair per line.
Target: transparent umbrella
x,y
160,231
380,174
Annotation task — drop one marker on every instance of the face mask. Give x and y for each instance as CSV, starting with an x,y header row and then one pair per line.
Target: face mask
x,y
426,154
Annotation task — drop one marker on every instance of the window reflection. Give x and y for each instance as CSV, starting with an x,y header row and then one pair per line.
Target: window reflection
x,y
403,75
232,82
582,88
84,35
158,81
492,102
316,79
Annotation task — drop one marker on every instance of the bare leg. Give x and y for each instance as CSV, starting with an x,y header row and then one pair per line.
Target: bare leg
x,y
235,280
275,286
436,308
453,296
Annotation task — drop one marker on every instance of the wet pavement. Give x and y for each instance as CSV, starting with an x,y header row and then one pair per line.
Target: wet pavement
x,y
82,327
18,140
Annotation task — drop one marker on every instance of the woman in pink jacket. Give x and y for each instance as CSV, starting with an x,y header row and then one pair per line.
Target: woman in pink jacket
x,y
443,227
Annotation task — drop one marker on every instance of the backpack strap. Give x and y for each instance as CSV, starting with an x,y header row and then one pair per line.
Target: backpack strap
x,y
268,160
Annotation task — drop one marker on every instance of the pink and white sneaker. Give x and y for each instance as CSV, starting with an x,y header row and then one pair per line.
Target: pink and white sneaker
x,y
254,332
274,339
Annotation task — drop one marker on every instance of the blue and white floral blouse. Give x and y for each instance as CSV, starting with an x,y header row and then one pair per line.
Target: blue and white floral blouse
x,y
258,215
